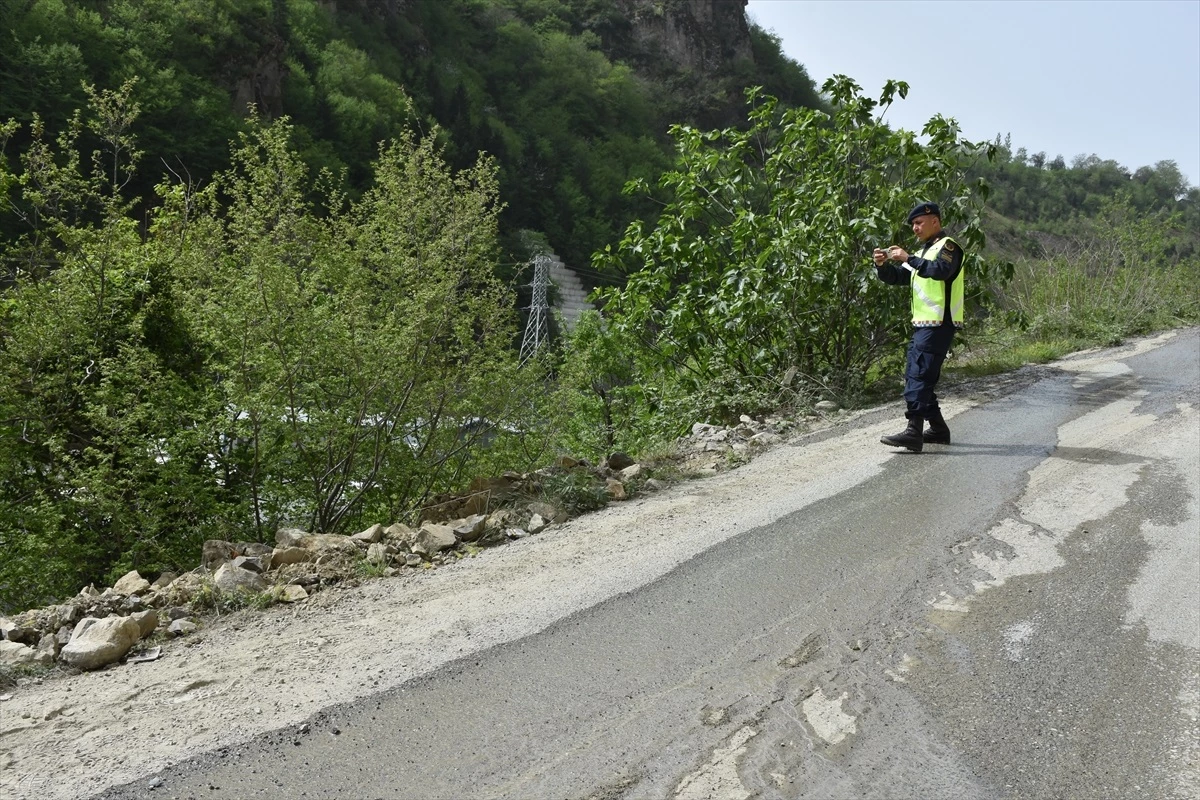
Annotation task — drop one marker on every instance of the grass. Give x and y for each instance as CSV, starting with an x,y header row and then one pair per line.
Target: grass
x,y
1091,297
576,492
369,569
1005,355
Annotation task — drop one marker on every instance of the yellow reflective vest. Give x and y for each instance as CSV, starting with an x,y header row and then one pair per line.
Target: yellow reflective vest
x,y
929,296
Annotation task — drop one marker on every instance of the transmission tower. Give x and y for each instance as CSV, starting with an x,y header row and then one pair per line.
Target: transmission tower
x,y
537,329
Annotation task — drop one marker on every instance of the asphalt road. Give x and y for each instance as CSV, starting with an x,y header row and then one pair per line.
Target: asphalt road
x,y
1014,615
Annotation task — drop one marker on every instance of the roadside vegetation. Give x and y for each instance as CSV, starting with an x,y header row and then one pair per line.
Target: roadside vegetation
x,y
1123,273
327,342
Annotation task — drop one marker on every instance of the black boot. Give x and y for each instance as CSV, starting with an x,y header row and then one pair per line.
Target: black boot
x,y
910,438
938,431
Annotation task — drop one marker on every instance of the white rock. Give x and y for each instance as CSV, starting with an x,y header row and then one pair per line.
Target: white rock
x,y
765,439
131,583
546,510
292,593
182,627
377,554
400,534
289,537
257,564
13,653
147,621
536,524
826,406
231,579
325,542
97,642
281,556
163,580
433,539
48,647
371,535
632,471
470,528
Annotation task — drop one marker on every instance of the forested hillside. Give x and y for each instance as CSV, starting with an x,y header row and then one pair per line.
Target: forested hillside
x,y
572,97
261,258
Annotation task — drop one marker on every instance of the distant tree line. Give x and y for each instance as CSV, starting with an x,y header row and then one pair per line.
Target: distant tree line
x,y
1054,196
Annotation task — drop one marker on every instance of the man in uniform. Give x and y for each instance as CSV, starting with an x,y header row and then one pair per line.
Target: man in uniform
x,y
935,276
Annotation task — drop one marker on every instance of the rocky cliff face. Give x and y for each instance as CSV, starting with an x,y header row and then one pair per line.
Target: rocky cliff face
x,y
261,87
659,38
702,36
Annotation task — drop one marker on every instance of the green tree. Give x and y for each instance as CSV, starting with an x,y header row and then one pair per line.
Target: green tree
x,y
603,400
97,388
246,357
758,266
353,346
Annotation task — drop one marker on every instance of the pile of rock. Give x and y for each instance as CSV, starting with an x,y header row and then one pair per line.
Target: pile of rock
x,y
616,478
95,628
88,631
710,446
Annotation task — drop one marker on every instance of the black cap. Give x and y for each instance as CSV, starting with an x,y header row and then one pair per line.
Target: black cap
x,y
921,209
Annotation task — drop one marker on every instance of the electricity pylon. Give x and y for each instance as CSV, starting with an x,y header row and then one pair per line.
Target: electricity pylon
x,y
537,329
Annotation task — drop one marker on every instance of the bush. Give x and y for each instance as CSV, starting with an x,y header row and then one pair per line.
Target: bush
x,y
759,266
604,400
1111,284
250,358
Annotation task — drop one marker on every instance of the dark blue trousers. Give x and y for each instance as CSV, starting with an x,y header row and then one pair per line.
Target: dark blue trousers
x,y
926,352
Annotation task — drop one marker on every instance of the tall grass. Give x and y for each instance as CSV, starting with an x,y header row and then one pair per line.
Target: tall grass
x,y
1123,275
1096,296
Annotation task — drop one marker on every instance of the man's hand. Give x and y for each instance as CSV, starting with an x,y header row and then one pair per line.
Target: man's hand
x,y
897,253
880,255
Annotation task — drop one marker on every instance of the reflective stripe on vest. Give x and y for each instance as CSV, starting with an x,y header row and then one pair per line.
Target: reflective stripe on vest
x,y
929,296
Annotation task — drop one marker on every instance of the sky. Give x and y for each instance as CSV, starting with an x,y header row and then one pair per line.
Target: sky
x,y
1068,77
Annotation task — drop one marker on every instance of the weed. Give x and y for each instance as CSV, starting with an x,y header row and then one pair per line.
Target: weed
x,y
207,597
669,472
1005,354
659,454
12,674
262,600
369,569
576,491
734,459
228,602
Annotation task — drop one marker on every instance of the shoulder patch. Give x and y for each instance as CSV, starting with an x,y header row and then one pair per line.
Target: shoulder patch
x,y
948,246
